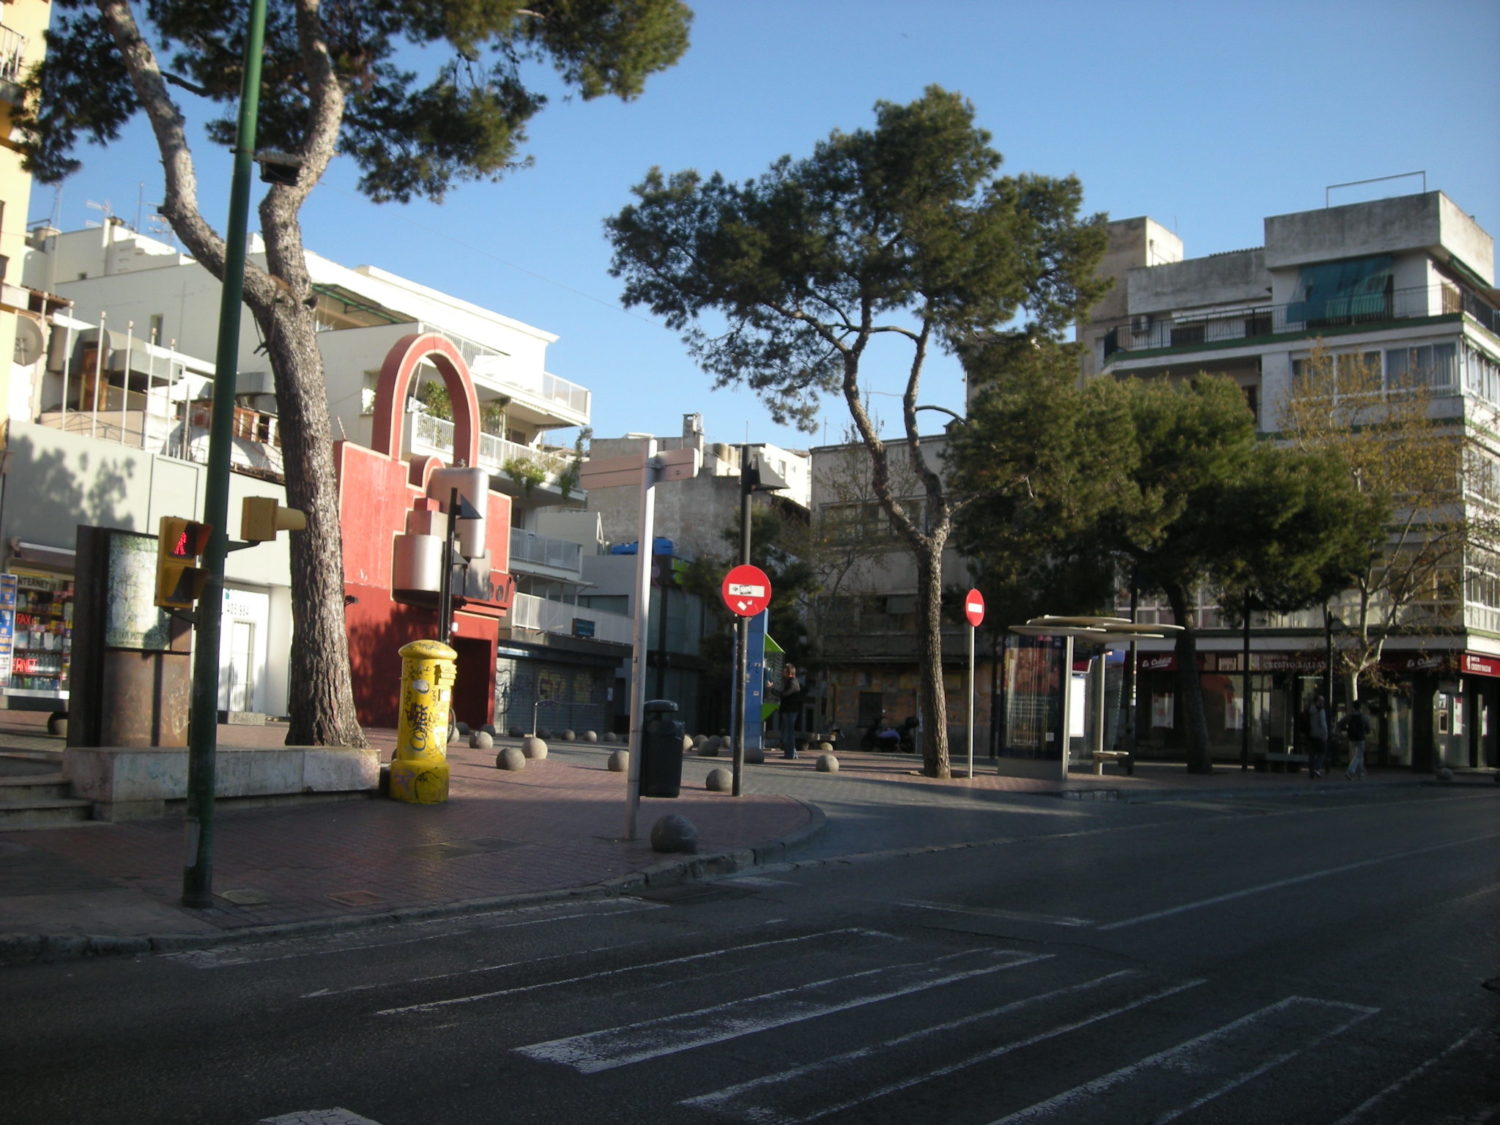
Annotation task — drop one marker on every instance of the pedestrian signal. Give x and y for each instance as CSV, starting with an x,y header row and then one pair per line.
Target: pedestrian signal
x,y
261,518
179,544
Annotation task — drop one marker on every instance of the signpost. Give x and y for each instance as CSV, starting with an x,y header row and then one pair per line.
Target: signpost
x,y
974,614
746,591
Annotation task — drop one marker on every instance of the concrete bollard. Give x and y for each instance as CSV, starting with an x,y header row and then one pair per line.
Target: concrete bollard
x,y
534,747
510,758
719,780
481,740
673,833
590,736
619,761
827,763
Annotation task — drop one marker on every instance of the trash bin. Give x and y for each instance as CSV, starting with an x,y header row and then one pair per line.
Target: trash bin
x,y
661,750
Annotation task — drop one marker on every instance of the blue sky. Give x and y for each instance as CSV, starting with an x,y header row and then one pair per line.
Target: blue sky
x,y
1206,116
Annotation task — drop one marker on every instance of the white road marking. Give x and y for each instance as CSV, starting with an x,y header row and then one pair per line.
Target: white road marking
x,y
1291,882
725,1101
1195,1059
765,1116
993,912
667,1035
435,1005
1406,1079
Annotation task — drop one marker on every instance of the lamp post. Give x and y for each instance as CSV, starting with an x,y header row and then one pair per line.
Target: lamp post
x,y
1329,621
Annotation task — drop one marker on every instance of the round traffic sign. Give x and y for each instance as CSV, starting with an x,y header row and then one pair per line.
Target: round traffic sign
x,y
746,590
974,607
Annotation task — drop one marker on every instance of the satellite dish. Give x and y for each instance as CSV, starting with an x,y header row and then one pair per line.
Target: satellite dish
x,y
29,341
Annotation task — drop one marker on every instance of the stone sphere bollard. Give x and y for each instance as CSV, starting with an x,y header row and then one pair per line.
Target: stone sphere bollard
x,y
619,761
534,747
825,747
673,833
481,740
719,780
591,736
709,748
687,745
515,732
698,740
827,763
568,736
1445,774
510,758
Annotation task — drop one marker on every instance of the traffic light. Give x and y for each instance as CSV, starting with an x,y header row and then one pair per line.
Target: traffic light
x,y
261,518
179,578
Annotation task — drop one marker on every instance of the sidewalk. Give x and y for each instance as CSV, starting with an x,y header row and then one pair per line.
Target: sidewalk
x,y
551,830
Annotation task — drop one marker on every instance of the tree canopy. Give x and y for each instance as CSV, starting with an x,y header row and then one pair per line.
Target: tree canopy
x,y
1159,484
903,232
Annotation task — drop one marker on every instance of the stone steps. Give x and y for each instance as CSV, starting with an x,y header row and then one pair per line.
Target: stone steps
x,y
40,800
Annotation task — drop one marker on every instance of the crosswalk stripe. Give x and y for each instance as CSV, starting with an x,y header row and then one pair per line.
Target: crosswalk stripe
x,y
649,1039
734,1100
1195,1059
709,955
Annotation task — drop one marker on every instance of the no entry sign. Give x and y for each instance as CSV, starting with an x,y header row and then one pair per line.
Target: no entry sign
x,y
974,607
746,590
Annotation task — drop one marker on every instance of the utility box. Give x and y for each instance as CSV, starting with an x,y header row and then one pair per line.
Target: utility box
x,y
661,750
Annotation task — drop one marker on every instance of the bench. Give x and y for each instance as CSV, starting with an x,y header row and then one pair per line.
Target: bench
x,y
1280,763
1119,757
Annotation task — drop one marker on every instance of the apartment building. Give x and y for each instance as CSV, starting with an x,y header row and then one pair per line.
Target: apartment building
x,y
1406,286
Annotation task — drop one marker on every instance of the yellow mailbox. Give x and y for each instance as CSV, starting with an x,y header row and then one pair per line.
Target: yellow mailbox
x,y
419,774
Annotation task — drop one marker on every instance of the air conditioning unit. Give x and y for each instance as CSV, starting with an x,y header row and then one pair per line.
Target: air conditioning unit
x,y
1140,324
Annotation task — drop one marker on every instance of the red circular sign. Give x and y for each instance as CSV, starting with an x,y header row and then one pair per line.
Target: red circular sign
x,y
974,607
746,590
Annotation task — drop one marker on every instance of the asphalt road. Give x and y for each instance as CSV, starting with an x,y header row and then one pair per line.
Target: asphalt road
x,y
1301,960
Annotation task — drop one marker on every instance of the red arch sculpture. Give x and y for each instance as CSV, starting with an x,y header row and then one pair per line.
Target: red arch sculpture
x,y
395,382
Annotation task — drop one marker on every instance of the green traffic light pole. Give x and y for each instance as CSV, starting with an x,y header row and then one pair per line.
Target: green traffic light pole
x,y
203,716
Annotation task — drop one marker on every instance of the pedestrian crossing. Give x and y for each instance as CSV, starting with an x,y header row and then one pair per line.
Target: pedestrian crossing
x,y
865,1024
913,1027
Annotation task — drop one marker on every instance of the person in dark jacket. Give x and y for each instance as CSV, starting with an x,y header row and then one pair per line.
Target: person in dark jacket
x,y
1356,729
791,707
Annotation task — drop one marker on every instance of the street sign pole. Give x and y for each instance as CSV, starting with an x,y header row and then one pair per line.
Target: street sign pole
x,y
746,592
974,613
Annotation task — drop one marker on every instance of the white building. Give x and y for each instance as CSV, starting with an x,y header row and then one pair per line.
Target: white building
x,y
1406,285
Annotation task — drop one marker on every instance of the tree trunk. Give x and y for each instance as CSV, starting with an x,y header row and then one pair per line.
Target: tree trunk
x,y
932,696
320,694
1190,685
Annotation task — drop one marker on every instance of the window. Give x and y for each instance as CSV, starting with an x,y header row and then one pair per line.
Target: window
x,y
1427,365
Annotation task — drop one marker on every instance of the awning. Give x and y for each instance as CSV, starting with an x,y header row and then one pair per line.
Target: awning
x,y
1356,289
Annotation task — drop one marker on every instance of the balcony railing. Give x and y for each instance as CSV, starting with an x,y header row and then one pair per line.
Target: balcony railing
x,y
545,550
542,615
12,55
495,453
1151,332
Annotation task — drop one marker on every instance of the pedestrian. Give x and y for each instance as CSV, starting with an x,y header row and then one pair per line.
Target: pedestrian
x,y
1317,733
1356,728
791,707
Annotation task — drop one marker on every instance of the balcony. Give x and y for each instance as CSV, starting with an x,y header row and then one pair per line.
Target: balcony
x,y
530,614
12,64
545,554
524,471
1213,328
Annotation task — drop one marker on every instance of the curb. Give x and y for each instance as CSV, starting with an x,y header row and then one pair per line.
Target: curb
x,y
16,949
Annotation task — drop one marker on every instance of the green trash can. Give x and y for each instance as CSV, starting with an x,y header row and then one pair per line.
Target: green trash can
x,y
661,750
